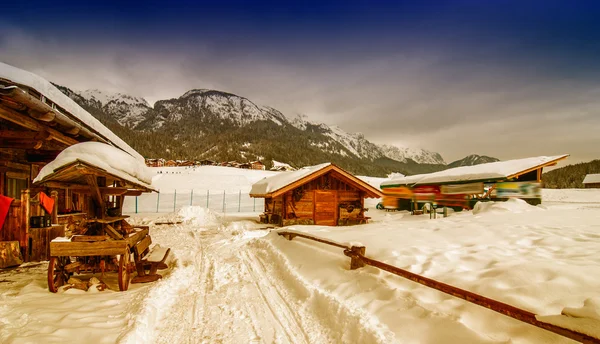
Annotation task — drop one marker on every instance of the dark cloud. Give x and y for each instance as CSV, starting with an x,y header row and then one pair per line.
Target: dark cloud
x,y
444,79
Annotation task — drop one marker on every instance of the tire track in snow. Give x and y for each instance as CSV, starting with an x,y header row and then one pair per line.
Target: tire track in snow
x,y
273,300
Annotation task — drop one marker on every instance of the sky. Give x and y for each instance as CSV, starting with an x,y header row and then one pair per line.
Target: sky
x,y
502,78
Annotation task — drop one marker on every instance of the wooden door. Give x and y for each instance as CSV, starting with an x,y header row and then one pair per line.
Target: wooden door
x,y
326,208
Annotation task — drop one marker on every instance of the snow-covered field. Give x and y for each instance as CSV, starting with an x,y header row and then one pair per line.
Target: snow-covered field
x,y
233,281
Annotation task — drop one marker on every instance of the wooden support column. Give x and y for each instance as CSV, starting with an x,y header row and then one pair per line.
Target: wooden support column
x,y
96,195
24,232
54,196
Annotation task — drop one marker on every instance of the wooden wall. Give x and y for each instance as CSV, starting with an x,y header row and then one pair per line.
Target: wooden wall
x,y
326,200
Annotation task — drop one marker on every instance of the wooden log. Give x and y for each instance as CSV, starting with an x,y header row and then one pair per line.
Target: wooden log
x,y
10,254
110,230
72,267
30,123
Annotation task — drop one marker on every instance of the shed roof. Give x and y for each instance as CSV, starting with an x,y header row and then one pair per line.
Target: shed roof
x,y
492,171
591,178
100,157
21,77
285,181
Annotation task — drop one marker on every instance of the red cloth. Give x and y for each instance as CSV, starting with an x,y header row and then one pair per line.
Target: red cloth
x,y
4,206
47,202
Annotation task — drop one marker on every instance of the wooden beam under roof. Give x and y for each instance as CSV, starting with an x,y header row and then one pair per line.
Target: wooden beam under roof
x,y
27,122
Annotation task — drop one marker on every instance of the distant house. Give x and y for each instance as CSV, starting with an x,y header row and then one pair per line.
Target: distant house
x,y
592,181
257,165
322,195
245,165
185,163
206,163
170,163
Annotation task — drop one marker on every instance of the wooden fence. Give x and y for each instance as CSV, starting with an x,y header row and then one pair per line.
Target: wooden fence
x,y
358,260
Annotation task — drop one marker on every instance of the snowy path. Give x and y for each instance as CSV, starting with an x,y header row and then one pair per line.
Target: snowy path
x,y
232,296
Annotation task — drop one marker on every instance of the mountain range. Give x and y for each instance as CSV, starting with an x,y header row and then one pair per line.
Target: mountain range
x,y
216,125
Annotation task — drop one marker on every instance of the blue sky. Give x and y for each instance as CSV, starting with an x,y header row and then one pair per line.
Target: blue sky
x,y
502,78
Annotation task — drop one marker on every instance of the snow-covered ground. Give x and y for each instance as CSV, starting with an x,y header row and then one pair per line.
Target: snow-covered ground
x,y
233,281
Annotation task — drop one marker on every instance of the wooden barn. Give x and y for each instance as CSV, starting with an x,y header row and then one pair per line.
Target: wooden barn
x,y
592,181
37,122
323,195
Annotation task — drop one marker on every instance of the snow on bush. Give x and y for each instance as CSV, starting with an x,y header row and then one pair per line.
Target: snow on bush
x,y
513,205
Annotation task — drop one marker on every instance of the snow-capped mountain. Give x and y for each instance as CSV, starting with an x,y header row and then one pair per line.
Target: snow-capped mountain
x,y
359,146
471,160
127,110
419,155
210,124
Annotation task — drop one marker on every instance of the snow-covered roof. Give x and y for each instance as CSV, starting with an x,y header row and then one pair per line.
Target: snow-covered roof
x,y
284,181
111,159
490,171
43,86
591,178
278,181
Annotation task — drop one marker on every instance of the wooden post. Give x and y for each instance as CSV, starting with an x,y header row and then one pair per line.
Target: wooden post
x,y
355,261
54,196
24,234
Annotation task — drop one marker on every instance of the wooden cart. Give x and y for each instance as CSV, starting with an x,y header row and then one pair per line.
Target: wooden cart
x,y
104,244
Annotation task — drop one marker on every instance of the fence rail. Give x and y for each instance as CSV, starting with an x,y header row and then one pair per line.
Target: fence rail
x,y
167,201
358,259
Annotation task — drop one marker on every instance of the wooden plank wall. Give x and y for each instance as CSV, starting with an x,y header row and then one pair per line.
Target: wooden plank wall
x,y
303,210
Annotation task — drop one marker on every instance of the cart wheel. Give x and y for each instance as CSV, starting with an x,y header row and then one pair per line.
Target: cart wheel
x,y
57,276
124,274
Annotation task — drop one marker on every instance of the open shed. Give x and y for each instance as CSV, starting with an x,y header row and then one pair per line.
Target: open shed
x,y
323,195
592,181
462,186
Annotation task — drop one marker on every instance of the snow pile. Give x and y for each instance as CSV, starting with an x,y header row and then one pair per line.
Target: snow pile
x,y
513,205
585,319
109,158
199,216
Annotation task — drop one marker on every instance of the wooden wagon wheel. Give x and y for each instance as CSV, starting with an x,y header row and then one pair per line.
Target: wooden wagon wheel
x,y
57,276
124,273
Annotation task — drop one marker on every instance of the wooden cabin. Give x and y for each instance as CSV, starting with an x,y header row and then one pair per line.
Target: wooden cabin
x,y
37,122
323,195
592,181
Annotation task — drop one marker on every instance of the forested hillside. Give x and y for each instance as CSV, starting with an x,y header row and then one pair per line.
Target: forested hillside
x,y
570,176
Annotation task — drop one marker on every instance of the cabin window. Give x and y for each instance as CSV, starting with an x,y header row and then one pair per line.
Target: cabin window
x,y
14,187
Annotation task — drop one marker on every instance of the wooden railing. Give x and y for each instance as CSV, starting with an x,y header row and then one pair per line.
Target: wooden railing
x,y
358,260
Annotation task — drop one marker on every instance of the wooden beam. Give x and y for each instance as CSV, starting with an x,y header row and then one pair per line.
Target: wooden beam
x,y
17,134
30,123
43,116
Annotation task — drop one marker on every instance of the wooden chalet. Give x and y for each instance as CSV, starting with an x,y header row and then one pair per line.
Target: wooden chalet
x,y
37,122
592,181
170,163
323,195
